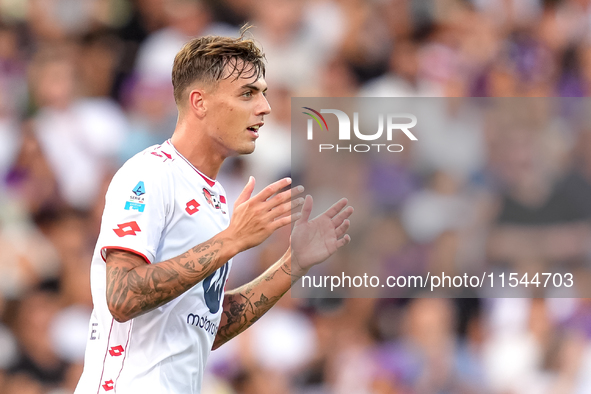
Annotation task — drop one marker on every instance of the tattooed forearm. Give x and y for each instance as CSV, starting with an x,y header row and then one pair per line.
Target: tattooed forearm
x,y
286,270
241,313
134,288
247,304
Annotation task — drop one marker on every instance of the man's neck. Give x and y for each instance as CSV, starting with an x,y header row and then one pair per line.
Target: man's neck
x,y
198,150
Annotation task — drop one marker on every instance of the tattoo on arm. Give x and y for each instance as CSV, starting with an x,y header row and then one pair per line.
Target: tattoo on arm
x,y
133,290
241,313
286,269
247,304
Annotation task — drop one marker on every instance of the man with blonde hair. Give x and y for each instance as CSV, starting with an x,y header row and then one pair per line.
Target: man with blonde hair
x,y
167,241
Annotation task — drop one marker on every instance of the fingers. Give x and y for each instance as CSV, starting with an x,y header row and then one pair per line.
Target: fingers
x,y
282,197
307,208
342,223
341,216
281,222
343,241
273,188
246,192
342,229
286,207
272,199
336,208
297,203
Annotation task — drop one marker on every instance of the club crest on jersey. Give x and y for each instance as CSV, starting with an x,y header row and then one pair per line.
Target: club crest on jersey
x,y
213,200
136,200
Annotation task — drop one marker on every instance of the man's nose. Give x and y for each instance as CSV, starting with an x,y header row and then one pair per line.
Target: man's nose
x,y
263,108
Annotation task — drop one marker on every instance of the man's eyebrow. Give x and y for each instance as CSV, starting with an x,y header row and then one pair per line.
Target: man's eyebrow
x,y
253,87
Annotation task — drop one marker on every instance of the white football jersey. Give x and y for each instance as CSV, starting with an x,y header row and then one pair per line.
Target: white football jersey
x,y
158,206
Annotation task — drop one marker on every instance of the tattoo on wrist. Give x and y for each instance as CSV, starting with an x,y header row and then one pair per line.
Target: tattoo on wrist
x,y
241,312
286,269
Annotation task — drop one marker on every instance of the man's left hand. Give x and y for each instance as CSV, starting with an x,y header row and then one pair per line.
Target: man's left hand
x,y
313,241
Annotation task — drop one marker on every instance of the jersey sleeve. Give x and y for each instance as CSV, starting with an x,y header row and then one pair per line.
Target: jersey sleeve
x,y
135,210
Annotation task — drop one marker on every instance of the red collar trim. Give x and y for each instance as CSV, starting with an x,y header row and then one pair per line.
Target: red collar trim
x,y
207,179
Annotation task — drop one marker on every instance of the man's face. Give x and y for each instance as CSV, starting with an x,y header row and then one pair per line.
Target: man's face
x,y
235,110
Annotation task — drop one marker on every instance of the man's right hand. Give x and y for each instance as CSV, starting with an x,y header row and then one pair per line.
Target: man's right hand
x,y
255,218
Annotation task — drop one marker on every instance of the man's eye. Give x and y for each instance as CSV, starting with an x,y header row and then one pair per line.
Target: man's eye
x,y
247,94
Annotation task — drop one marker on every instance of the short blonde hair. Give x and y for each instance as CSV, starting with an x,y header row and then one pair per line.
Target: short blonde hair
x,y
212,58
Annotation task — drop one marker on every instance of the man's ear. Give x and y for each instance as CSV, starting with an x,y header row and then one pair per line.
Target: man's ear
x,y
197,102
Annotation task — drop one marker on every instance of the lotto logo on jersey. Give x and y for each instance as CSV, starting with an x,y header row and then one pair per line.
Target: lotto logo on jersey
x,y
129,228
108,386
192,207
116,351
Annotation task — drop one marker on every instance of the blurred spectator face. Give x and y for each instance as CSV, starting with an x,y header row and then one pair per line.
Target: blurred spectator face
x,y
22,384
387,236
456,87
152,101
404,61
338,79
58,19
97,62
429,322
68,235
53,83
152,11
539,320
187,16
584,152
585,58
257,381
520,155
8,44
32,324
502,82
280,97
526,167
242,7
12,89
72,376
279,17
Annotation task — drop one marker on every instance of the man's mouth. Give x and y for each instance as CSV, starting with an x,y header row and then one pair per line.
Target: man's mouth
x,y
254,129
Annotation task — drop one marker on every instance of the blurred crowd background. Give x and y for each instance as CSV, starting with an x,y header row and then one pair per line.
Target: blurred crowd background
x,y
85,84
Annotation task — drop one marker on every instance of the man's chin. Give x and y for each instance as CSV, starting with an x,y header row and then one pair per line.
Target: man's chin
x,y
247,150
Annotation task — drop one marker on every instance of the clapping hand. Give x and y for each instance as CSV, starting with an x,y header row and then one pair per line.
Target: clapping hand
x,y
313,241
